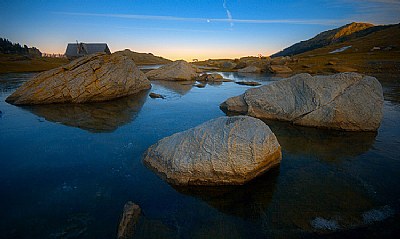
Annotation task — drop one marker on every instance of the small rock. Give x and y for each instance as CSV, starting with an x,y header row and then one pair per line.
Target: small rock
x,y
128,221
214,77
279,69
1,114
200,85
250,69
331,63
228,65
154,95
341,69
249,83
375,48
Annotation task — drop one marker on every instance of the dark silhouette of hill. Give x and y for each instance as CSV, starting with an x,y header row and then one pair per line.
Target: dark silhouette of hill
x,y
338,35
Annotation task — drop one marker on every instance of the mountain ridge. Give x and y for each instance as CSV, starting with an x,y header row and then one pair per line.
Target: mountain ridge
x,y
329,37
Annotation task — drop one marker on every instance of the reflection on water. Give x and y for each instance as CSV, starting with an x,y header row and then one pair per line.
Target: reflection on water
x,y
11,81
249,201
94,117
328,145
179,87
261,78
62,182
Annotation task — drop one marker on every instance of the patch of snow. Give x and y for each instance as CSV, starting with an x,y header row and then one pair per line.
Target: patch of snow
x,y
340,49
376,215
320,223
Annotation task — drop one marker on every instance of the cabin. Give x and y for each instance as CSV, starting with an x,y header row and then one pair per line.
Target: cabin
x,y
76,50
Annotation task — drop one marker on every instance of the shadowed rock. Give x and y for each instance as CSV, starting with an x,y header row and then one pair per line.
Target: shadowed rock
x,y
346,101
226,150
93,78
93,117
130,218
249,201
248,83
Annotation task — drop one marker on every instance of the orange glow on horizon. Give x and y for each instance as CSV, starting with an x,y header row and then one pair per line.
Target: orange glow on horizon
x,y
174,53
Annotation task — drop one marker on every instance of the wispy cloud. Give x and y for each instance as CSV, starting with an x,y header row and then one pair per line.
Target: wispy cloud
x,y
328,22
374,11
228,13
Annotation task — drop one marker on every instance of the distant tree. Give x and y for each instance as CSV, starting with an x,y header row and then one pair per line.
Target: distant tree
x,y
7,47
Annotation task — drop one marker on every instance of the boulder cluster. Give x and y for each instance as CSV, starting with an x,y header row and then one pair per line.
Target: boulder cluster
x,y
226,150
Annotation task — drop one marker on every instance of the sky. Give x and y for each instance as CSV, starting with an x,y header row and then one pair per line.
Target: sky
x,y
185,29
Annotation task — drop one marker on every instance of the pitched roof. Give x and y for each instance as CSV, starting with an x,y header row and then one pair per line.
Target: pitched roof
x,y
75,49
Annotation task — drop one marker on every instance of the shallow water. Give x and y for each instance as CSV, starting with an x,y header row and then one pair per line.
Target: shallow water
x,y
67,170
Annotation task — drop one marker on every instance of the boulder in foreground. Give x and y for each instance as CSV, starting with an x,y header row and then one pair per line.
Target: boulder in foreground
x,y
175,71
226,150
93,78
130,218
345,101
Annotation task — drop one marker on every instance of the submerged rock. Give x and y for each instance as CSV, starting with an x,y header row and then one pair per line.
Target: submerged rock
x,y
249,83
346,101
226,150
201,85
93,78
128,221
175,71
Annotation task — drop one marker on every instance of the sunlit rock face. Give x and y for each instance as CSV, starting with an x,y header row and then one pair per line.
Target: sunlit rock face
x,y
175,71
226,150
345,101
97,77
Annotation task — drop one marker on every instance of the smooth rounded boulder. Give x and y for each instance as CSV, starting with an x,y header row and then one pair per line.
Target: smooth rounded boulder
x,y
222,151
345,101
175,71
93,78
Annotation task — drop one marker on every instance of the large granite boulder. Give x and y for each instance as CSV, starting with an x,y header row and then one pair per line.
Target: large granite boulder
x,y
345,101
175,71
226,150
250,69
93,78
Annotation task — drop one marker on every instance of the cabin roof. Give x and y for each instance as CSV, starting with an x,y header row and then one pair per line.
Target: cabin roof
x,y
88,48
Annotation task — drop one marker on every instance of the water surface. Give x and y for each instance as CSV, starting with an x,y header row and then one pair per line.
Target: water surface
x,y
67,170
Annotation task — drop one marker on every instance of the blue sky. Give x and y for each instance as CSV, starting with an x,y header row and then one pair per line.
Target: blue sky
x,y
184,29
